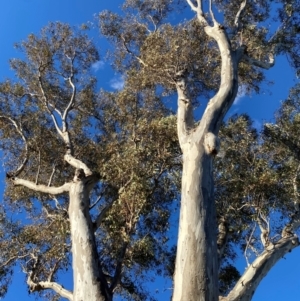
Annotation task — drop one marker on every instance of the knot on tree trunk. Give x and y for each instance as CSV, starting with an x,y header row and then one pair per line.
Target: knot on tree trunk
x,y
180,75
211,144
79,175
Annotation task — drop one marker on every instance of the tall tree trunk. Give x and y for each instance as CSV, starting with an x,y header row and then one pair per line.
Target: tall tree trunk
x,y
196,248
89,283
196,271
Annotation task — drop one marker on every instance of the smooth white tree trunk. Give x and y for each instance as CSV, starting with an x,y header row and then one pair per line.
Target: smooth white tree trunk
x,y
196,247
86,269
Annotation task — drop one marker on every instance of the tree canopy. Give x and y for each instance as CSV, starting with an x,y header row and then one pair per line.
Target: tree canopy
x,y
96,174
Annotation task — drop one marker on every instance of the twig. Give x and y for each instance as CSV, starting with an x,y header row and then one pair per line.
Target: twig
x,y
248,244
38,171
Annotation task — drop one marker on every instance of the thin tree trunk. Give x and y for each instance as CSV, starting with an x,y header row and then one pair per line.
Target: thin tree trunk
x,y
196,247
89,283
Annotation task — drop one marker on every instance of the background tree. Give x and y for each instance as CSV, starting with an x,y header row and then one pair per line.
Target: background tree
x,y
255,205
92,172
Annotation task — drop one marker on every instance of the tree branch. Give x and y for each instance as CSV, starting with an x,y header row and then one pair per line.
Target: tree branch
x,y
199,10
70,104
43,285
193,6
39,167
42,188
130,52
257,63
265,230
248,244
46,103
185,119
20,131
51,176
102,214
118,272
53,270
212,13
77,164
222,238
238,15
219,105
13,258
246,286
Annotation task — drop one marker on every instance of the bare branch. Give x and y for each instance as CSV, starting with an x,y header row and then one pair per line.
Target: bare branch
x,y
53,270
38,171
192,5
153,22
102,214
212,13
77,164
255,272
36,286
46,104
118,272
51,176
96,202
257,63
238,15
199,10
248,244
42,188
185,121
20,131
130,52
12,258
70,104
264,226
43,285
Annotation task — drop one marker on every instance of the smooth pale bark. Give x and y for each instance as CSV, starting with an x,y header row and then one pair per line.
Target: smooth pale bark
x,y
89,282
42,188
196,270
42,285
248,283
197,260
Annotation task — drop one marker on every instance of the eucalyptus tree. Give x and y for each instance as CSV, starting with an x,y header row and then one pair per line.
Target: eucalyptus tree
x,y
211,56
255,180
91,173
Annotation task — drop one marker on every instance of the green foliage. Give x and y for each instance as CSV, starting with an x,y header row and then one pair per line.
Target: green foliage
x,y
129,138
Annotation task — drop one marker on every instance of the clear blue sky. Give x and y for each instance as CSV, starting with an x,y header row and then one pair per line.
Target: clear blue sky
x,y
18,18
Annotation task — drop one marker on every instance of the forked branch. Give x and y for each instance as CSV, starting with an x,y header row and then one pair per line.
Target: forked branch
x,y
77,164
198,9
36,286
